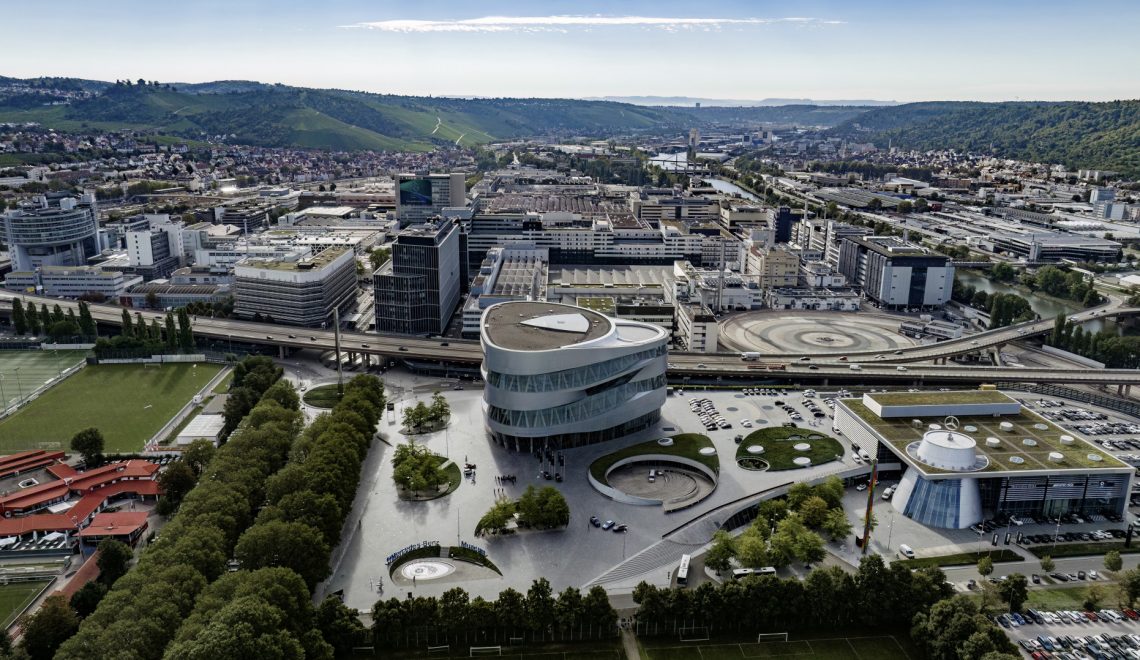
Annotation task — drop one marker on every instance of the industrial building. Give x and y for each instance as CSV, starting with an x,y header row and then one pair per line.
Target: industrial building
x,y
896,274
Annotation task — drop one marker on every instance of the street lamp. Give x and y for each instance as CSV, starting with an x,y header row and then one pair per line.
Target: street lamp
x,y
19,387
2,397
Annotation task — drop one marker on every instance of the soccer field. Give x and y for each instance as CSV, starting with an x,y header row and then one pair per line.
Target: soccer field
x,y
14,597
838,648
24,371
129,403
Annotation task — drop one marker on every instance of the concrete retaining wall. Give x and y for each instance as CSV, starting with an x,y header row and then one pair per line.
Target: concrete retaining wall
x,y
624,498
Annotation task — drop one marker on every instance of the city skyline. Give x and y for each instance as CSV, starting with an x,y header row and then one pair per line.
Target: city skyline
x,y
819,50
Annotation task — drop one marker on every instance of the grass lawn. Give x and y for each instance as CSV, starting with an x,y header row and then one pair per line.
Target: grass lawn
x,y
686,445
1065,598
963,559
321,396
779,447
35,369
835,648
15,596
1097,548
129,403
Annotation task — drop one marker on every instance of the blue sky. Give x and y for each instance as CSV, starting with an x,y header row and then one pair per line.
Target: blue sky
x,y
906,51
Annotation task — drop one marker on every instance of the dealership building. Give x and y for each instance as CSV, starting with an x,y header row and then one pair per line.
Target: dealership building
x,y
562,376
967,456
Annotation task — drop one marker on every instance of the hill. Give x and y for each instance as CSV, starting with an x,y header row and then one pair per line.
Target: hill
x,y
255,113
1077,134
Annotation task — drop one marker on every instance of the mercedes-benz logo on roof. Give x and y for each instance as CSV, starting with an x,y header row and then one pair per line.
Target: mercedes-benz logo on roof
x,y
951,422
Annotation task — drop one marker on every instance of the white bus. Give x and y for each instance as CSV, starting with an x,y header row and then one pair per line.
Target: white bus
x,y
683,571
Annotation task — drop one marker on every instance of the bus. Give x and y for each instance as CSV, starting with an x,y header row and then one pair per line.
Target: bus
x,y
683,571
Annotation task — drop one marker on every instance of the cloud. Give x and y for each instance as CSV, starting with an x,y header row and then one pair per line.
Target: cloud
x,y
564,23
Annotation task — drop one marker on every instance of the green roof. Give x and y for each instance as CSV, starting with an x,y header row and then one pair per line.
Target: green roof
x,y
962,397
900,432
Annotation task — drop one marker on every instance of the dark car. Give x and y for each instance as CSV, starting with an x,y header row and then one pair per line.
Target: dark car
x,y
621,528
1035,578
595,522
443,343
403,348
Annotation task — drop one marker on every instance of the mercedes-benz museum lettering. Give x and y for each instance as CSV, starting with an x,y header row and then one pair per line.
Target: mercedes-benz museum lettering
x,y
562,376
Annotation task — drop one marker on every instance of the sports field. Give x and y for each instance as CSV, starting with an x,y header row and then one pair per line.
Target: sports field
x,y
129,403
14,597
34,369
836,648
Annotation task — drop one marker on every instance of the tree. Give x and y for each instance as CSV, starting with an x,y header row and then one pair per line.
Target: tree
x,y
151,299
985,566
87,598
719,556
114,560
544,508
949,629
185,333
597,609
45,317
905,207
1047,564
920,205
49,627
126,324
1112,561
198,455
340,626
1015,591
497,517
540,605
19,323
1129,582
568,610
171,334
814,511
89,444
378,257
836,526
175,481
289,544
1093,597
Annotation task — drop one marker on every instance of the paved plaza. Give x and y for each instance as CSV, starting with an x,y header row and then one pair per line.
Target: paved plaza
x,y
806,332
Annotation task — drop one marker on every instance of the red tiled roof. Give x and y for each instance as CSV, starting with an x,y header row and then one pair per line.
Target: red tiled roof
x,y
86,573
120,523
28,460
85,482
34,496
44,522
62,471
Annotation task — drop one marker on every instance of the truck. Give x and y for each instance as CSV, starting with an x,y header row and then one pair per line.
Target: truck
x,y
750,356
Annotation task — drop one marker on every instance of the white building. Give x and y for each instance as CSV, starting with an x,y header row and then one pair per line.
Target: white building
x,y
560,376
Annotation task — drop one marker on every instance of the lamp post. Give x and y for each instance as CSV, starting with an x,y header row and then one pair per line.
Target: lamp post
x,y
2,397
890,531
19,387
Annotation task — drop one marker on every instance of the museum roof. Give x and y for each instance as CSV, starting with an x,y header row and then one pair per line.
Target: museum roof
x,y
541,326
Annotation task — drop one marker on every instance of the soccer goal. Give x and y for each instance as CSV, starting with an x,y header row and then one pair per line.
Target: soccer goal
x,y
485,650
693,634
439,650
772,637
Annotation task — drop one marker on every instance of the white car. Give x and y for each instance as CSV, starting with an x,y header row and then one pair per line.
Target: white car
x,y
746,423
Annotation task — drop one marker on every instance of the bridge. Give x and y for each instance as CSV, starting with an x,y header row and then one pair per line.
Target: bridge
x,y
824,367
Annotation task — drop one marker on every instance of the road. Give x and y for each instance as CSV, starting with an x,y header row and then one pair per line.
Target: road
x,y
455,351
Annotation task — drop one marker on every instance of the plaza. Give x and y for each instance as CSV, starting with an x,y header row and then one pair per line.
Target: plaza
x,y
806,332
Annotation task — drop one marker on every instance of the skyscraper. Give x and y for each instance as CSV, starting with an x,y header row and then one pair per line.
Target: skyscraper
x,y
422,196
418,290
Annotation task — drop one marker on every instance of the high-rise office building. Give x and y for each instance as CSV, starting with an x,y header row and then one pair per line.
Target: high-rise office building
x,y
39,235
897,274
422,196
418,290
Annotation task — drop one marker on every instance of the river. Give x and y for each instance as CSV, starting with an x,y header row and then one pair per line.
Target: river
x,y
731,188
1047,308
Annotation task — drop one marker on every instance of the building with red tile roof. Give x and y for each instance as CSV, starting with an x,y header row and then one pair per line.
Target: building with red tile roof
x,y
26,461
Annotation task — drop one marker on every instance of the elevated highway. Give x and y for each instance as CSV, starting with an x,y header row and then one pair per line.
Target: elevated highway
x,y
700,366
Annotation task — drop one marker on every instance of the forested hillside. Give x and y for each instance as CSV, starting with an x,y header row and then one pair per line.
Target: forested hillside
x,y
1079,135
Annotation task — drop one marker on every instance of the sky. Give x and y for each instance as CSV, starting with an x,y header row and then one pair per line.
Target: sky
x,y
919,50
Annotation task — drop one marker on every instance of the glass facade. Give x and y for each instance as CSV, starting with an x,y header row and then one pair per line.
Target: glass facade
x,y
571,379
579,411
935,502
578,439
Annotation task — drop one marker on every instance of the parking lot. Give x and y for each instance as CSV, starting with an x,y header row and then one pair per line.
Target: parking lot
x,y
1103,634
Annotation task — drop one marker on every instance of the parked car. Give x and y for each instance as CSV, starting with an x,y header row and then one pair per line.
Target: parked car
x,y
595,522
607,525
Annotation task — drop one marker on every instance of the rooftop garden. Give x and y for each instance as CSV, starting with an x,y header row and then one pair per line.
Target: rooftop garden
x,y
780,451
685,445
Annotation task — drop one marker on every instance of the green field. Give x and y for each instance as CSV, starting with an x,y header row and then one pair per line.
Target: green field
x,y
16,596
128,403
779,447
962,559
686,445
838,648
35,369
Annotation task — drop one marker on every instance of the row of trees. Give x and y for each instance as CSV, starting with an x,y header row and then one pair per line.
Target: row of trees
x,y
264,608
538,611
54,323
139,338
1004,308
252,377
541,508
427,417
1115,351
139,615
783,530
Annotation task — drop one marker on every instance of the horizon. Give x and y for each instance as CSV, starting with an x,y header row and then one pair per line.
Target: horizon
x,y
824,50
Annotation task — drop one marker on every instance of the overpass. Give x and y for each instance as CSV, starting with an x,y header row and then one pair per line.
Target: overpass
x,y
701,366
